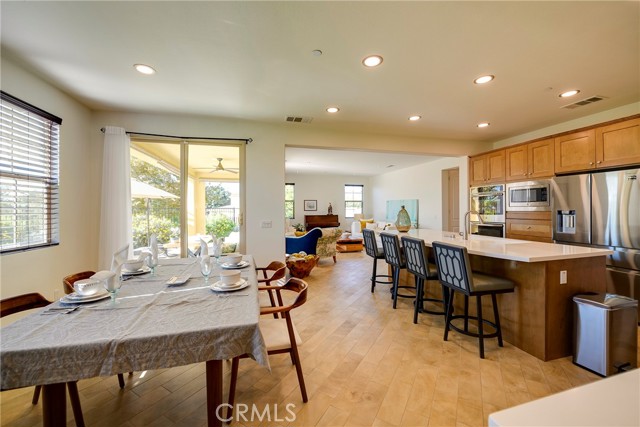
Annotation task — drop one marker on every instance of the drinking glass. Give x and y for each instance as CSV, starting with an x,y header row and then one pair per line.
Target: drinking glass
x,y
217,251
112,285
152,263
206,267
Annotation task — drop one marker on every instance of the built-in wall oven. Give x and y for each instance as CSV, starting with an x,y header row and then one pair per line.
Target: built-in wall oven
x,y
529,196
489,203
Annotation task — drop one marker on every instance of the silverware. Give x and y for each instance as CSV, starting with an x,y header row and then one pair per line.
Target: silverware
x,y
59,310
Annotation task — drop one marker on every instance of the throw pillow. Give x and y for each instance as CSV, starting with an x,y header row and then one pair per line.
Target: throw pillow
x,y
364,222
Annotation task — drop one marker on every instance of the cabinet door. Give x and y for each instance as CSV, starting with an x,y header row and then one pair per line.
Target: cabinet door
x,y
516,163
529,229
575,152
540,155
478,172
495,167
618,144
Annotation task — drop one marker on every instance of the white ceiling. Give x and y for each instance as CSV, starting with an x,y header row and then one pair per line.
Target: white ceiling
x,y
253,60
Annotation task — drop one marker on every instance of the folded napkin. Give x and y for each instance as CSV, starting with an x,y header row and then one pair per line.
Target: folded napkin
x,y
204,248
153,245
119,257
107,276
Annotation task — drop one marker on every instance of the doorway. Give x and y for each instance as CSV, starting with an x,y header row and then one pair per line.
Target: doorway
x,y
194,190
451,200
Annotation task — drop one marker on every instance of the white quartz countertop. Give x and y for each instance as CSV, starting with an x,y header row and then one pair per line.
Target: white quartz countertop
x,y
611,401
510,249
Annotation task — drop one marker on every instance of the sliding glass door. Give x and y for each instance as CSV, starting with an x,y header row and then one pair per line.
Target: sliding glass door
x,y
184,191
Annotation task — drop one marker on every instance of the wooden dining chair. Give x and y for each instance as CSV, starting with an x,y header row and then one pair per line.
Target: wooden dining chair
x,y
27,302
67,283
272,275
280,336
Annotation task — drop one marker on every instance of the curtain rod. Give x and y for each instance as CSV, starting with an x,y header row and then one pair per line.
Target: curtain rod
x,y
246,140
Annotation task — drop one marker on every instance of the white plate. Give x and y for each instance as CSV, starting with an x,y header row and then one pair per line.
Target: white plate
x,y
241,264
72,299
241,284
143,270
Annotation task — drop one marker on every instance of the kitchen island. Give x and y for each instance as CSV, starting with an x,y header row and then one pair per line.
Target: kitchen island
x,y
538,316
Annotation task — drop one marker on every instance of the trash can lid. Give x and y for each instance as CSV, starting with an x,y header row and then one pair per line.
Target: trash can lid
x,y
607,301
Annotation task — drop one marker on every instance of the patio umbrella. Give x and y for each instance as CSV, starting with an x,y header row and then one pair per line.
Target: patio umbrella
x,y
145,191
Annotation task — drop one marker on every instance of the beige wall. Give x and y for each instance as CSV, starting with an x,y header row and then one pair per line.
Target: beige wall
x,y
42,270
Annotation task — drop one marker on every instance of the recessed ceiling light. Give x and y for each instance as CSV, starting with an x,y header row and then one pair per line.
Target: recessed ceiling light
x,y
144,69
483,124
483,79
415,118
569,93
333,110
372,61
316,52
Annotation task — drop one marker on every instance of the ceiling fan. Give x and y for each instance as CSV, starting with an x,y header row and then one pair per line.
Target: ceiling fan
x,y
221,168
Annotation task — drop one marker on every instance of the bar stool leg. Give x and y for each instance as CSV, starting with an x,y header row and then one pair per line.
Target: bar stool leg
x,y
480,332
395,277
449,313
496,316
466,313
375,272
418,301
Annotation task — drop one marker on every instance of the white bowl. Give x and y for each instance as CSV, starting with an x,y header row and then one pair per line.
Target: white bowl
x,y
86,287
234,259
132,265
229,277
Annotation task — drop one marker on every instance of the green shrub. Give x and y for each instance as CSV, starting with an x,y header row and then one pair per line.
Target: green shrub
x,y
219,225
159,225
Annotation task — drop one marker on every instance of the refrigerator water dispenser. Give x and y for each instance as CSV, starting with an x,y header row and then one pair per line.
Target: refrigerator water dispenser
x,y
566,221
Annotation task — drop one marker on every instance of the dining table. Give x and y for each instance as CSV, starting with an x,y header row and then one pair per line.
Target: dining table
x,y
153,324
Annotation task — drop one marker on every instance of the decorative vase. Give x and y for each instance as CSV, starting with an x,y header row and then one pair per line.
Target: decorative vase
x,y
403,222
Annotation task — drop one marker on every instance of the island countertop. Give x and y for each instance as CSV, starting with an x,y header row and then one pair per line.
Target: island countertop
x,y
508,249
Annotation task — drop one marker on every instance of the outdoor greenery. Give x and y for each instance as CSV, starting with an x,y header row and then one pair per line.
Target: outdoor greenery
x,y
159,178
216,196
159,225
219,225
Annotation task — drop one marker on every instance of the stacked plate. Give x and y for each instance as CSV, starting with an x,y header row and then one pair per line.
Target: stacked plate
x,y
241,264
74,298
142,270
221,287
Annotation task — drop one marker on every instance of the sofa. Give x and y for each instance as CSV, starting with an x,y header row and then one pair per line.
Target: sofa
x,y
306,243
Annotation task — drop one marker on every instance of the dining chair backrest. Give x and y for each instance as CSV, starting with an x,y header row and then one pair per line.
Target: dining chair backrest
x,y
23,302
370,244
391,249
298,286
68,281
454,268
415,255
278,269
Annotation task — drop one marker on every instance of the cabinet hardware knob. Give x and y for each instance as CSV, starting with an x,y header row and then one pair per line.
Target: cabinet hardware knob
x,y
591,163
599,161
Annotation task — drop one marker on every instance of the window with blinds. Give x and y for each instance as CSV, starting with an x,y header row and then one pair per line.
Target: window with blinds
x,y
29,163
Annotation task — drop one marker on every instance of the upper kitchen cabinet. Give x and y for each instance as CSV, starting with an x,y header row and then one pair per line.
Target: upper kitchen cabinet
x,y
575,151
618,144
487,168
529,161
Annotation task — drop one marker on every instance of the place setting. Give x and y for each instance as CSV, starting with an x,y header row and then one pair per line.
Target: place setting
x,y
233,262
86,290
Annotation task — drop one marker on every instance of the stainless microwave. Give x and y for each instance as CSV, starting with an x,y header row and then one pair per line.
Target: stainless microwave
x,y
529,196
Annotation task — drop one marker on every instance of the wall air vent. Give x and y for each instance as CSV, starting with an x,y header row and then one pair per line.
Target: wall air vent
x,y
584,102
297,119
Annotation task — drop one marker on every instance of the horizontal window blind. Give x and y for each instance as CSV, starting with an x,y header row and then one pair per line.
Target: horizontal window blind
x,y
29,175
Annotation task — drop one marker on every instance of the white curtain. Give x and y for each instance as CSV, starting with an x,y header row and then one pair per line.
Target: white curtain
x,y
115,218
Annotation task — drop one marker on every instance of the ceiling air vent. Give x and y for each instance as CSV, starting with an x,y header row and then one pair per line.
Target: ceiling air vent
x,y
584,102
296,119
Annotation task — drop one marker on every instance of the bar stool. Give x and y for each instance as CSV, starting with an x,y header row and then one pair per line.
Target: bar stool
x,y
415,253
374,251
454,272
394,257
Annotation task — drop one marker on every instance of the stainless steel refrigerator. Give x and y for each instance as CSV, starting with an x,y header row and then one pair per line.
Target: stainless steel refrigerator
x,y
602,210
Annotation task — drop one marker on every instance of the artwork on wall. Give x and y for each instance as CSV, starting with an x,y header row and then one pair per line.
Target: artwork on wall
x,y
310,205
394,206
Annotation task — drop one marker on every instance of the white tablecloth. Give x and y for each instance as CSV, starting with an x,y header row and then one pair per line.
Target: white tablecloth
x,y
153,326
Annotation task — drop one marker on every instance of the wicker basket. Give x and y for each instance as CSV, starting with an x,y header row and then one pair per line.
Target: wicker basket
x,y
302,268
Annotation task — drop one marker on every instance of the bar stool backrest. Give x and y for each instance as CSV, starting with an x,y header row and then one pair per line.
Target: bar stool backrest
x,y
415,254
453,267
370,245
391,249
